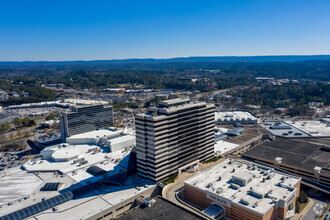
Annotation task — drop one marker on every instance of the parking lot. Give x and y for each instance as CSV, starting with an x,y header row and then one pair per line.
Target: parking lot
x,y
11,158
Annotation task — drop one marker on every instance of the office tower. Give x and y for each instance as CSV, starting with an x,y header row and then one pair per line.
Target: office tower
x,y
176,135
86,118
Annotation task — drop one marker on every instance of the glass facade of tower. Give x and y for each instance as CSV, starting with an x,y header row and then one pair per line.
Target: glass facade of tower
x,y
85,119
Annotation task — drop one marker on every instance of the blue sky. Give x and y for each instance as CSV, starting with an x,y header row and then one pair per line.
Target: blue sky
x,y
95,29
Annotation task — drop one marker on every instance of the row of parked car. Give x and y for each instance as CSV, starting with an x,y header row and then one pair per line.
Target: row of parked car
x,y
11,159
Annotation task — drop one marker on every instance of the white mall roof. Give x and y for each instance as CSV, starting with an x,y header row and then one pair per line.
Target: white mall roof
x,y
122,139
284,132
93,134
69,166
313,128
80,208
17,184
234,115
65,153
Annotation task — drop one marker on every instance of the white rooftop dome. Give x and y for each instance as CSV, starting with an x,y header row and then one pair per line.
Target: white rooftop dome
x,y
64,154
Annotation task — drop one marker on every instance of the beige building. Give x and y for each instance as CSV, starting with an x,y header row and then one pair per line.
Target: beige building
x,y
176,135
243,191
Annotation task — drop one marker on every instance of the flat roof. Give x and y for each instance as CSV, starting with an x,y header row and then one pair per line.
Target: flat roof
x,y
208,181
293,132
93,134
221,147
159,111
85,101
25,185
249,134
66,153
315,128
17,184
234,115
174,101
161,209
122,139
294,152
82,207
108,159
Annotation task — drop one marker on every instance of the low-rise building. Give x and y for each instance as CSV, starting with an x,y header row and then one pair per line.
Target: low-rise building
x,y
113,140
243,191
235,117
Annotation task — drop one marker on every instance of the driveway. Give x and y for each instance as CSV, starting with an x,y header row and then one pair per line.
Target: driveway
x,y
315,211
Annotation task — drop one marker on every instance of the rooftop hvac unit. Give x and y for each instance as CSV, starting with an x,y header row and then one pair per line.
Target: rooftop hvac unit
x,y
234,186
271,175
256,194
78,160
271,196
290,188
83,162
317,169
278,159
244,202
219,190
209,185
149,201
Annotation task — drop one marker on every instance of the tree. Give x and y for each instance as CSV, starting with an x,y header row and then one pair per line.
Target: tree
x,y
303,197
297,209
32,122
17,122
52,116
4,127
25,121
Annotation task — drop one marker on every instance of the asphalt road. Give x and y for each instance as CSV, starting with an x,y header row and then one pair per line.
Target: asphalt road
x,y
170,195
315,211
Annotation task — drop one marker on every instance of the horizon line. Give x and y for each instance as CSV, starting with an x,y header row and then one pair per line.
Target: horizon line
x,y
168,58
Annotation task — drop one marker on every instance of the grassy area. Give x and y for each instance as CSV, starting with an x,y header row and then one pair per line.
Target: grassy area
x,y
39,118
170,180
302,206
213,159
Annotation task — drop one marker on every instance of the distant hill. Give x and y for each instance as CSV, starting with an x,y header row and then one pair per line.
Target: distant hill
x,y
252,59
